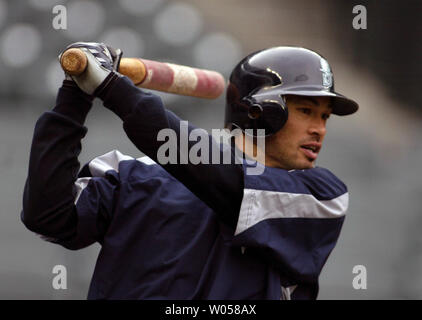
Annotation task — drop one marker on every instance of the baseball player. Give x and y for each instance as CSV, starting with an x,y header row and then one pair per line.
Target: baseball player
x,y
185,231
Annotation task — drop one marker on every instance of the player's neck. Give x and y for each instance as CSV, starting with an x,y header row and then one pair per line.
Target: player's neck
x,y
255,151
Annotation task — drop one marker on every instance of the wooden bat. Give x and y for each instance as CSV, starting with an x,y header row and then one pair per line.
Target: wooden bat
x,y
156,75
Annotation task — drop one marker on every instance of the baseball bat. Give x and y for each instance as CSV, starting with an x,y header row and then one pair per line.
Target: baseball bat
x,y
162,76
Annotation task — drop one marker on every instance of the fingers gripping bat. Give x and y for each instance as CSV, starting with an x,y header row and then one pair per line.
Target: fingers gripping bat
x,y
156,75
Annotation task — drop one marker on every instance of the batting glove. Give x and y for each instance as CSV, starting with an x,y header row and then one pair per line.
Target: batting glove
x,y
103,63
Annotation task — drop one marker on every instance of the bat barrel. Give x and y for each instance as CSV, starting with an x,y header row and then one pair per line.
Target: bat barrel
x,y
182,80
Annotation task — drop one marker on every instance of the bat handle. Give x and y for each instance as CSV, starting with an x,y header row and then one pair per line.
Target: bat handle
x,y
74,61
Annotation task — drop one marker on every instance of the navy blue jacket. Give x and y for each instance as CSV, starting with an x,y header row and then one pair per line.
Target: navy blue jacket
x,y
177,231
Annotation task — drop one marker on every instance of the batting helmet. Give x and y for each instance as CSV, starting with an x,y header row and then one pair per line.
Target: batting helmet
x,y
259,83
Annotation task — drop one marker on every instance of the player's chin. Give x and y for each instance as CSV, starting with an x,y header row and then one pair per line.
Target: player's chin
x,y
306,163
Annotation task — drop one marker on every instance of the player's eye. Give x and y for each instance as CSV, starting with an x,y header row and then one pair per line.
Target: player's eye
x,y
305,110
325,116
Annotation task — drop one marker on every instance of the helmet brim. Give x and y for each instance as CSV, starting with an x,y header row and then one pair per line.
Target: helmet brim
x,y
340,104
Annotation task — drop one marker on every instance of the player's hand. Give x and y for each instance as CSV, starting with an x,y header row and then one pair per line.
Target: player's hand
x,y
102,61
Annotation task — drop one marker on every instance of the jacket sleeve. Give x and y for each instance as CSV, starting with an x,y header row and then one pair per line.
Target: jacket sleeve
x,y
220,186
61,207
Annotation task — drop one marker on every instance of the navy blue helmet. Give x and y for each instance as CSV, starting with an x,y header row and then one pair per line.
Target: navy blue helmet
x,y
259,83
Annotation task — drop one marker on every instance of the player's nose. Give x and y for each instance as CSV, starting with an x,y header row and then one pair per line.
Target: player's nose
x,y
318,128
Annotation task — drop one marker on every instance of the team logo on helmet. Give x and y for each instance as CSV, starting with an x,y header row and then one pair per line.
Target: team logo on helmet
x,y
327,76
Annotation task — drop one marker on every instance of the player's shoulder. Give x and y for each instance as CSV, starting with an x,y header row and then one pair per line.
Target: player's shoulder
x,y
318,181
122,166
316,174
321,181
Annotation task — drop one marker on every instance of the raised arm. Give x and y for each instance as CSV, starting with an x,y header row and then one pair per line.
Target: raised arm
x,y
220,186
54,199
51,189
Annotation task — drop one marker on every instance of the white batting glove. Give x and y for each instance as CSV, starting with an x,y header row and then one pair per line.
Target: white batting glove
x,y
102,60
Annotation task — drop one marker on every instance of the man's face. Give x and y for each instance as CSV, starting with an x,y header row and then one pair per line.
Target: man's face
x,y
297,144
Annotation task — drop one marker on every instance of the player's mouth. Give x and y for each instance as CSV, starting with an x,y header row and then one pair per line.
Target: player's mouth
x,y
311,150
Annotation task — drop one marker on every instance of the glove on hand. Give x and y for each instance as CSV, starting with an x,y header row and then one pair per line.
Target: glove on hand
x,y
103,63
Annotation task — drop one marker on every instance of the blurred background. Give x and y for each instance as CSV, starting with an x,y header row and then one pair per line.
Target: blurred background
x,y
376,151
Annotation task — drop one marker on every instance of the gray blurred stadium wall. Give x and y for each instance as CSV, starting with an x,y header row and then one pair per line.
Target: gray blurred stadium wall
x,y
376,151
